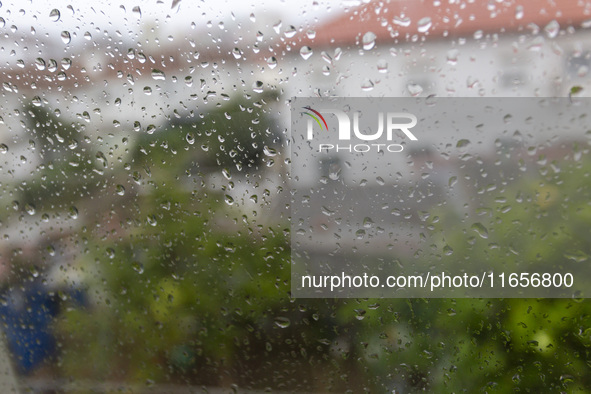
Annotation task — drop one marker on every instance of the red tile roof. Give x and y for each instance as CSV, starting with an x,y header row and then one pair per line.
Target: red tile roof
x,y
399,20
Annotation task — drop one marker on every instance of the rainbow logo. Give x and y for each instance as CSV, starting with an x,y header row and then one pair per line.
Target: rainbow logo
x,y
316,118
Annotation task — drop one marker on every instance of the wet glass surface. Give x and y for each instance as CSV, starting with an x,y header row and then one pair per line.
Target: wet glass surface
x,y
145,196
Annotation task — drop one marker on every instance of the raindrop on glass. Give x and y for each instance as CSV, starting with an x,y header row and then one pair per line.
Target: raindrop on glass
x,y
414,89
401,21
66,38
272,62
73,212
30,209
552,29
282,322
151,219
54,15
369,40
424,24
190,137
290,32
158,75
519,12
306,52
237,53
257,86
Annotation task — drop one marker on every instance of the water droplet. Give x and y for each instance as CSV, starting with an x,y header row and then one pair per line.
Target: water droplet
x,y
36,101
151,129
2,22
519,12
369,40
282,322
277,26
360,314
40,64
367,85
424,24
52,65
120,190
66,63
3,148
66,38
189,81
30,209
552,29
462,143
50,250
452,56
54,15
158,75
34,271
110,252
147,90
137,267
257,86
190,137
382,66
401,21
272,62
229,200
537,44
290,32
137,10
471,82
311,34
237,53
306,52
447,250
152,221
533,343
480,230
414,89
73,212
269,151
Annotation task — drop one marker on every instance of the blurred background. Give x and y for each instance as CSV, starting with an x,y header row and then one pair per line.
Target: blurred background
x,y
145,192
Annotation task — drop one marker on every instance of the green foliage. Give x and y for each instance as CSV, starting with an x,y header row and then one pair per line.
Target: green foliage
x,y
187,288
234,135
69,168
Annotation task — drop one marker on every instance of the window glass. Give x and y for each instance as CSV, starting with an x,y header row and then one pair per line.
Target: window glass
x,y
146,196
